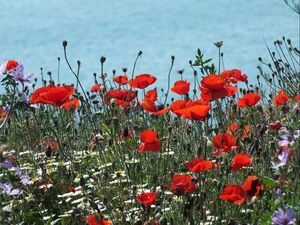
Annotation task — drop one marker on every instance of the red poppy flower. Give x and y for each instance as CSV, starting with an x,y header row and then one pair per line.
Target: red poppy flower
x,y
248,100
233,193
181,87
142,81
150,142
11,64
97,88
240,160
181,184
192,110
297,98
148,103
3,114
214,87
122,80
151,95
124,95
95,219
146,198
72,103
224,143
275,125
50,144
233,128
53,95
233,76
253,187
281,98
199,165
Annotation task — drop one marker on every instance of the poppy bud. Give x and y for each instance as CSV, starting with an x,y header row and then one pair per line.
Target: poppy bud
x,y
65,43
102,60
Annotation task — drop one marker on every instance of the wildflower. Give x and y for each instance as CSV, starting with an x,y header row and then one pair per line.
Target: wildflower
x,y
182,184
142,81
282,158
96,88
53,95
224,143
16,70
281,217
233,193
3,113
253,187
72,103
214,87
275,125
122,80
287,138
146,198
281,98
151,95
243,133
234,76
192,110
199,165
7,188
150,142
248,100
123,97
240,160
95,219
181,87
297,98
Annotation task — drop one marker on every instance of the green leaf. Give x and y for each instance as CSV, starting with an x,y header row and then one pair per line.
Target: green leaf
x,y
268,181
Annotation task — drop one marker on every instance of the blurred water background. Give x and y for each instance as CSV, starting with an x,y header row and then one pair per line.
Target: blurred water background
x,y
32,31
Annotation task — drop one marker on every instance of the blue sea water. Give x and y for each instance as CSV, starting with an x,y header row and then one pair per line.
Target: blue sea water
x,y
32,31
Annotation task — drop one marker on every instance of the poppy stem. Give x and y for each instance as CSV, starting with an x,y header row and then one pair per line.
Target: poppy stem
x,y
169,76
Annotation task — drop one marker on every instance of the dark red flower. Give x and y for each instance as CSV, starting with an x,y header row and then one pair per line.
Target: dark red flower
x,y
146,198
150,142
233,193
199,165
224,143
240,160
233,76
142,81
253,187
281,98
275,125
181,87
248,100
97,88
122,80
53,95
182,184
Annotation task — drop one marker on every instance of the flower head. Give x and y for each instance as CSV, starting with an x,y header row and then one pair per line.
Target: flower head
x,y
146,198
281,217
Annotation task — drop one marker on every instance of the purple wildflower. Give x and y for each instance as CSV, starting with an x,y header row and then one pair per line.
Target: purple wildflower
x,y
281,217
17,73
282,158
288,138
7,188
278,192
25,180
